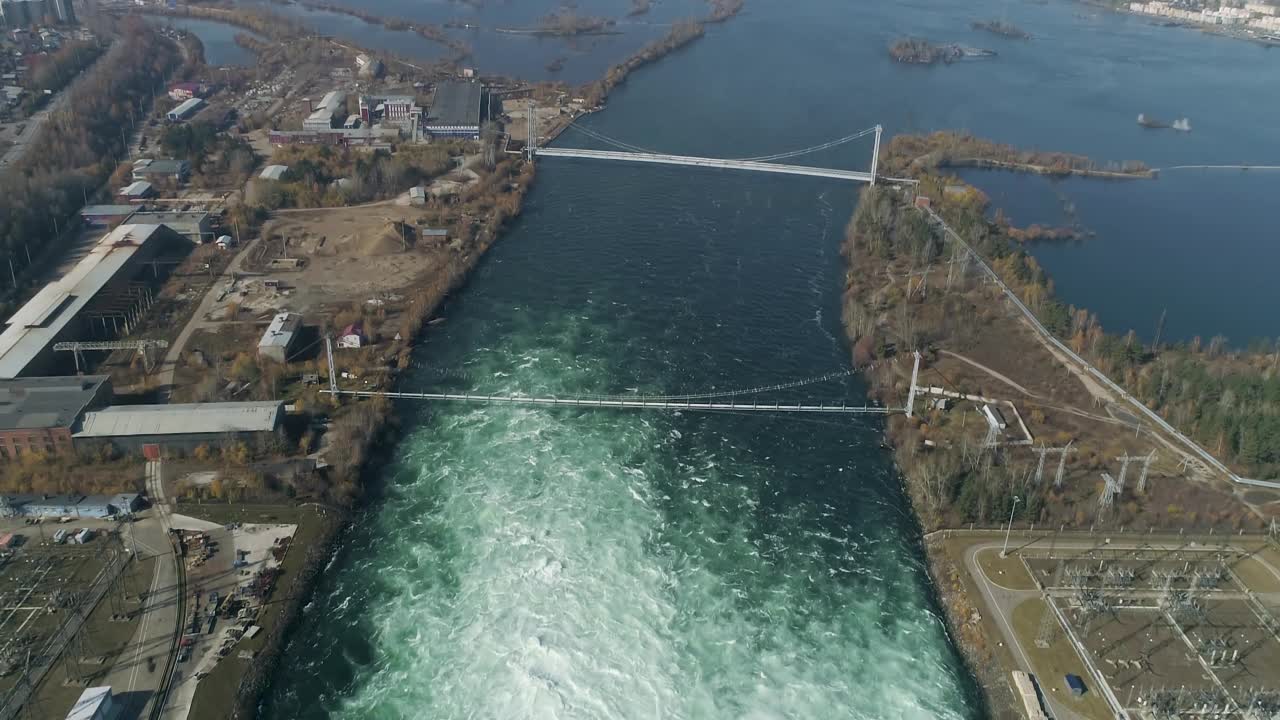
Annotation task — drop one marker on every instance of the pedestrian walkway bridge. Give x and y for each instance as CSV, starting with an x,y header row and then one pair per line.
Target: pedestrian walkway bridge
x,y
854,175
764,163
713,401
690,405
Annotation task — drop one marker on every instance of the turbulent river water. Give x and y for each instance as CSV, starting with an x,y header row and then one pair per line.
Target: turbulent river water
x,y
572,564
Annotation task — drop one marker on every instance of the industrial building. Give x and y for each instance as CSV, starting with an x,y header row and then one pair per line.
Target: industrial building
x,y
186,109
150,170
41,414
375,136
137,190
72,506
389,107
96,299
194,225
456,110
180,426
106,215
280,337
24,13
322,115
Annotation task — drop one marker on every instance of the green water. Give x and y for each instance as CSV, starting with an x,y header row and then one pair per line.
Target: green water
x,y
601,564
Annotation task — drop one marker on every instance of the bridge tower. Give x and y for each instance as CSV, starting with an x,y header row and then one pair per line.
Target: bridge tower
x,y
875,154
531,136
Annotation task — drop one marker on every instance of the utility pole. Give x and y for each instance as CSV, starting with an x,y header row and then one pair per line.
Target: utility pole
x,y
1005,550
1155,344
333,375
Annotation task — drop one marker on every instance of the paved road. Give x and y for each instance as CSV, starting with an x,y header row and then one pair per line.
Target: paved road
x,y
139,670
35,123
170,363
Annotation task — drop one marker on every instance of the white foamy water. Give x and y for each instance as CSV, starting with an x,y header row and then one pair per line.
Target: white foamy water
x,y
542,566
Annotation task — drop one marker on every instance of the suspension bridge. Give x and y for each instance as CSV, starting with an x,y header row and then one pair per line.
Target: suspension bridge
x,y
712,401
627,152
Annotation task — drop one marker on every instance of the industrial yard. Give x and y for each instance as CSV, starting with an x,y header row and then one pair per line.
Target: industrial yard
x,y
1152,626
69,594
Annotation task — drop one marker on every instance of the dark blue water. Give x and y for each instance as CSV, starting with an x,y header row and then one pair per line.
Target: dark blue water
x,y
585,58
219,41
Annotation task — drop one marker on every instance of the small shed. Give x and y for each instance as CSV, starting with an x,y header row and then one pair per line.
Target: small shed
x,y
994,416
1076,684
418,195
273,172
352,336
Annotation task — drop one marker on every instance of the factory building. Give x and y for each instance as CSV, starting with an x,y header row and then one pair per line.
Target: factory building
x,y
194,225
71,506
175,171
185,110
281,336
332,105
456,110
97,299
185,427
106,215
41,414
391,107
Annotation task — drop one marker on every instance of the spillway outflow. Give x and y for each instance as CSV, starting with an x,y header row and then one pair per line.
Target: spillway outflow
x,y
544,565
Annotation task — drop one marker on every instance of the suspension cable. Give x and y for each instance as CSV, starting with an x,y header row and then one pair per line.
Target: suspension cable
x,y
759,158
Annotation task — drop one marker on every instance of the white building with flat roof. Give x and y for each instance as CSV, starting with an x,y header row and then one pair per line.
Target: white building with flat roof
x,y
95,703
280,337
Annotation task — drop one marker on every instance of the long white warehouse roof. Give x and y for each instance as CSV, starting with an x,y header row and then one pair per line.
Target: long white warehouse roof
x,y
38,323
181,419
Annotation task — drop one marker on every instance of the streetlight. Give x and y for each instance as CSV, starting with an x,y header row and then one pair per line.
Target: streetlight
x,y
1005,551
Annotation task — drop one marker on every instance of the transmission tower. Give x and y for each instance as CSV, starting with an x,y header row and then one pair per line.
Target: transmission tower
x,y
333,374
1110,490
1124,461
923,286
1146,468
1062,462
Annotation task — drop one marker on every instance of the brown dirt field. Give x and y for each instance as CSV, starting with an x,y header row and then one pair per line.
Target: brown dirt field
x,y
350,255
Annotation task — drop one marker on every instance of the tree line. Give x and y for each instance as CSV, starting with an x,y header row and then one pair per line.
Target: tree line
x,y
76,149
1228,400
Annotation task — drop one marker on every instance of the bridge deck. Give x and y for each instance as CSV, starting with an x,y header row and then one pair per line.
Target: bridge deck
x,y
707,162
833,409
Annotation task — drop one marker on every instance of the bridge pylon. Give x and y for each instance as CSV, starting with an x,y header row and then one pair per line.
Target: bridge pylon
x,y
875,154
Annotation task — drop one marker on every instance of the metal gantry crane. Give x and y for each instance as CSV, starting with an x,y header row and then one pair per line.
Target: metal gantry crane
x,y
144,348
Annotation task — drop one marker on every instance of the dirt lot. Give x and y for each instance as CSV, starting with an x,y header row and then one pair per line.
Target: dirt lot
x,y
348,255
